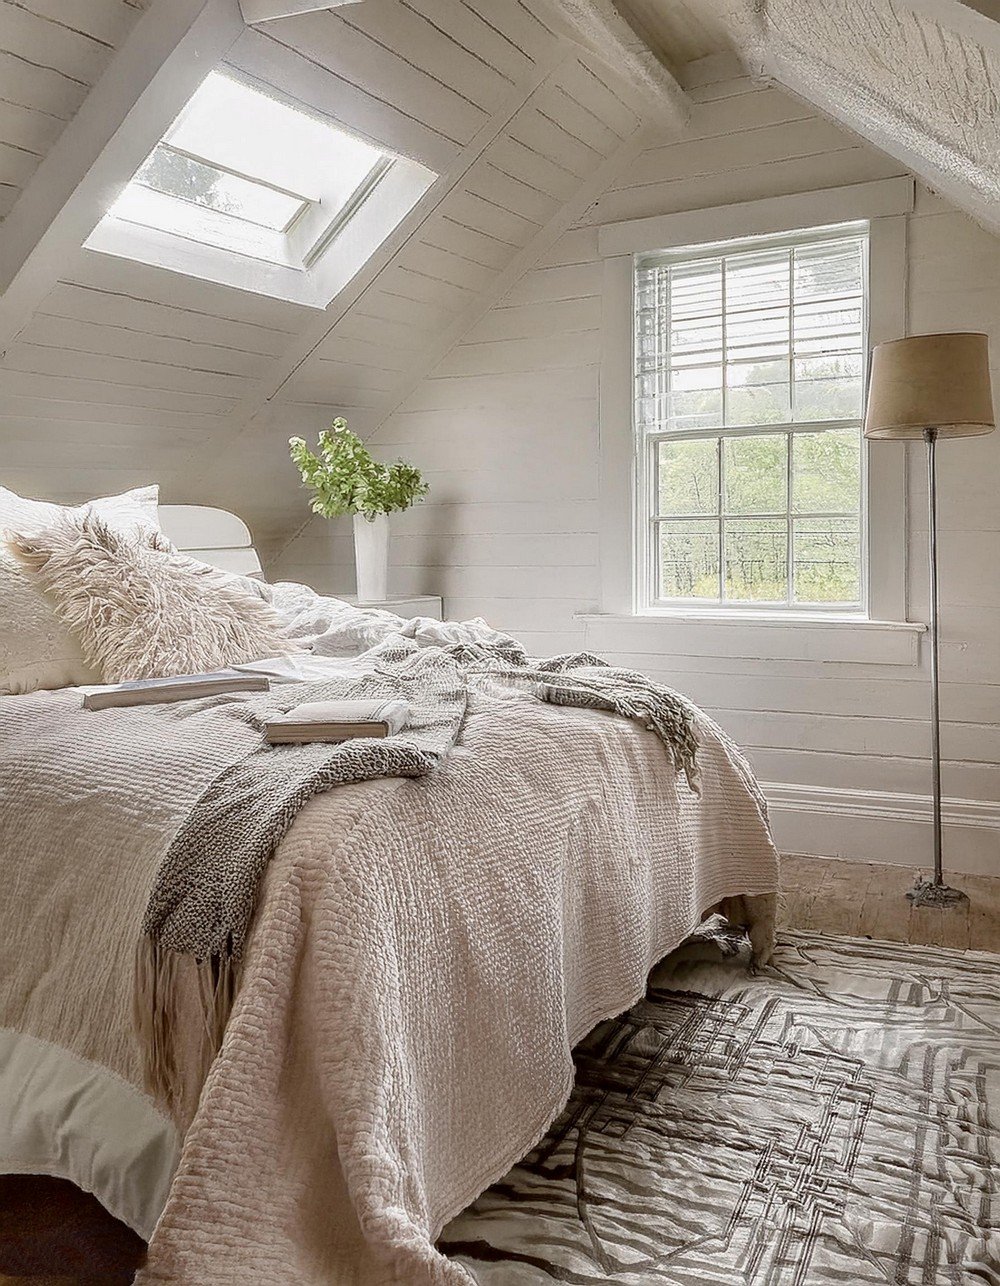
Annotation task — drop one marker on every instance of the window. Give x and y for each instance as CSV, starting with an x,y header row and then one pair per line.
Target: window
x,y
749,363
248,188
239,170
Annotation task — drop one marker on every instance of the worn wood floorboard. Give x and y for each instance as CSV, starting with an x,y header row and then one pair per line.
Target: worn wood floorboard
x,y
49,1227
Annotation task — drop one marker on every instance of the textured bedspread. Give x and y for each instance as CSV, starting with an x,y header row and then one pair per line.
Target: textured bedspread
x,y
424,960
425,954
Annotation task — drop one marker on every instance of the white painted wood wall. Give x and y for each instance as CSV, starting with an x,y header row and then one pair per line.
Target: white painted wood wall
x,y
127,373
51,55
506,429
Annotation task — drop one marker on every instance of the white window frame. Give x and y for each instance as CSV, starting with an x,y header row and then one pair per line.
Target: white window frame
x,y
646,554
314,257
883,205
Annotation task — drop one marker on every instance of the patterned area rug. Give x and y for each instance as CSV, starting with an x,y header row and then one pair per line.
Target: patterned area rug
x,y
835,1119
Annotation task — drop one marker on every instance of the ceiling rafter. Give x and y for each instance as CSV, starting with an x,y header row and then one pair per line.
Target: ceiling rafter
x,y
247,412
851,103
164,59
255,11
598,26
845,97
977,20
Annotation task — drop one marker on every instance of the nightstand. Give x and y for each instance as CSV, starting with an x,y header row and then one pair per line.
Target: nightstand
x,y
419,605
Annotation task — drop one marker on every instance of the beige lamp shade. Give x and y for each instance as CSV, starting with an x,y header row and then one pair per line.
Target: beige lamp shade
x,y
930,382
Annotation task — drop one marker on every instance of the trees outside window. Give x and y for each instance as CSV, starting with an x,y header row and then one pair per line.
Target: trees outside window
x,y
749,364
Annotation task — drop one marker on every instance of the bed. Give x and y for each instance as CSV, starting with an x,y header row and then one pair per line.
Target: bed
x,y
423,955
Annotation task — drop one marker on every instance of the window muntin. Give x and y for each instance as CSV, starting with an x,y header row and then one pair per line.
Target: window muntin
x,y
749,368
241,170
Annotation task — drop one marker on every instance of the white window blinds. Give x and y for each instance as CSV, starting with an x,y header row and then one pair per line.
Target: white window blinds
x,y
749,370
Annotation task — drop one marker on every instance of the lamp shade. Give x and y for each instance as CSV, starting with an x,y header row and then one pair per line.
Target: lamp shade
x,y
937,382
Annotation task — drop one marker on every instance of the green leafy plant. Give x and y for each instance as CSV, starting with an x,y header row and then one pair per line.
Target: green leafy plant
x,y
344,479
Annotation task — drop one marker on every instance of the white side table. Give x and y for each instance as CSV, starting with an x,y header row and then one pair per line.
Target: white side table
x,y
421,605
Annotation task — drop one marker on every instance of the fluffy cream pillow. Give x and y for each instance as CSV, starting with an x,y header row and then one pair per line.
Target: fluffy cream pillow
x,y
36,649
140,610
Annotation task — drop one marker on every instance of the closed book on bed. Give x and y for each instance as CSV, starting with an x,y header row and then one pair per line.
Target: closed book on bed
x,y
337,721
180,687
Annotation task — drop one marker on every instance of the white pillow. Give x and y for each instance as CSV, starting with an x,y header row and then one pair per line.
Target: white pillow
x,y
133,511
36,649
143,611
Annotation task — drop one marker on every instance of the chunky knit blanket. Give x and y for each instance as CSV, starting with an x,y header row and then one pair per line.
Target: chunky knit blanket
x,y
205,890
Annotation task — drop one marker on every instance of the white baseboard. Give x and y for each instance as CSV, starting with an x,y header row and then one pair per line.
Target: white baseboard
x,y
880,826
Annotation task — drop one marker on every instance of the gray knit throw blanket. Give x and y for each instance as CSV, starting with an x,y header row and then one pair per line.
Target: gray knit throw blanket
x,y
203,896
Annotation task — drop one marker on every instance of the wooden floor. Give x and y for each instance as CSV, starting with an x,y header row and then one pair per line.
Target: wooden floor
x,y
51,1234
868,901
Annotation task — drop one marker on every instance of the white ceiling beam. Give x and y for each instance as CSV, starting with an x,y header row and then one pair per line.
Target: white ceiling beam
x,y
977,20
255,11
852,103
166,56
601,29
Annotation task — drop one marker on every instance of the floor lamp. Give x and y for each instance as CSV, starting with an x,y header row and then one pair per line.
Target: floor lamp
x,y
931,387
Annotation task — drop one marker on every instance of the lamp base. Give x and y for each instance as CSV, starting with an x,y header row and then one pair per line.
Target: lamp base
x,y
927,893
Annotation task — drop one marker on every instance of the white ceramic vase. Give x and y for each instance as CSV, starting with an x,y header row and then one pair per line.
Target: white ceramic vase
x,y
371,557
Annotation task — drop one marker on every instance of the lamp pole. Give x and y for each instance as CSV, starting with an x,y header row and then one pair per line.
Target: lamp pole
x,y
935,892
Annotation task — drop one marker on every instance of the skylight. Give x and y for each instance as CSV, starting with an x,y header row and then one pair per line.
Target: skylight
x,y
250,189
175,174
241,170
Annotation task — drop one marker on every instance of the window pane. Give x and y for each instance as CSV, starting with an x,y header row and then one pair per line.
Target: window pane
x,y
826,471
696,289
695,397
757,393
827,554
181,176
829,269
688,477
246,129
756,560
757,279
688,558
823,326
828,388
756,474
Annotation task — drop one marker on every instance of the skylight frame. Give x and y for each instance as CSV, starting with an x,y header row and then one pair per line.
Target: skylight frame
x,y
320,216
317,253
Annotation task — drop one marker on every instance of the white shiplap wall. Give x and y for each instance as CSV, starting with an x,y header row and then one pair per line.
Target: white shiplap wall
x,y
51,53
127,373
506,428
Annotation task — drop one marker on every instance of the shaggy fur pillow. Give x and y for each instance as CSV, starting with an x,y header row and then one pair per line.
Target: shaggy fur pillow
x,y
36,649
140,610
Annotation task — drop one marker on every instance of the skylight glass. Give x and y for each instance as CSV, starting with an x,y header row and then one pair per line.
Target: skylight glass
x,y
244,171
175,174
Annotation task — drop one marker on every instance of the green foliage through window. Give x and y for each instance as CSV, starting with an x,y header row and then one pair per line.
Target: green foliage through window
x,y
749,382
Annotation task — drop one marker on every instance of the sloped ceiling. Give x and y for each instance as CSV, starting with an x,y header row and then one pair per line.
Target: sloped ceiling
x,y
114,373
120,372
918,78
52,52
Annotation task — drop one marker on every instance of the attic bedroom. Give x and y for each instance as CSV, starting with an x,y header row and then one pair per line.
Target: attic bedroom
x,y
499,642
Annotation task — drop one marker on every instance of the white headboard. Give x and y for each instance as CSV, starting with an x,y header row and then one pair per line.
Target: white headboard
x,y
213,535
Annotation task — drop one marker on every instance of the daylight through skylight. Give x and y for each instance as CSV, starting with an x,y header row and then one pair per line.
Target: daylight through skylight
x,y
244,171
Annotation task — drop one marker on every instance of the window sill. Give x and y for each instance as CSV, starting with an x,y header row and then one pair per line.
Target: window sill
x,y
756,636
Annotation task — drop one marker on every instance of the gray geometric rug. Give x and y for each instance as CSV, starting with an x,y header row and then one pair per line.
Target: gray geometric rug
x,y
835,1119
